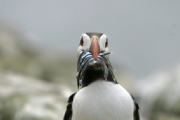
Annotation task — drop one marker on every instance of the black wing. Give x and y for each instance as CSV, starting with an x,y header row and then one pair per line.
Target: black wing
x,y
136,110
68,113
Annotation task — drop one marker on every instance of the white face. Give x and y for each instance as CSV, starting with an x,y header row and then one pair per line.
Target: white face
x,y
103,43
85,43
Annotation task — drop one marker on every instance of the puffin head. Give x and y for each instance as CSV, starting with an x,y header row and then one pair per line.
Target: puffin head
x,y
93,60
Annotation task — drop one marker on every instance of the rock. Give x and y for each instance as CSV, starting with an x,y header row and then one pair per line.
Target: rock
x,y
159,95
25,98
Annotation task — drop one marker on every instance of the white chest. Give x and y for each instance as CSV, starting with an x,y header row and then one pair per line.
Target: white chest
x,y
103,100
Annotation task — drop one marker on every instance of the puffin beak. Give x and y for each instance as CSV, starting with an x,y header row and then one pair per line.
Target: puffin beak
x,y
94,48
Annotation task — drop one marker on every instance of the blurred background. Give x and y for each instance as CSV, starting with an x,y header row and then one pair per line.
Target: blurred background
x,y
38,43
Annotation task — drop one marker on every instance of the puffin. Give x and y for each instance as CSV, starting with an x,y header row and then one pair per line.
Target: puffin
x,y
99,95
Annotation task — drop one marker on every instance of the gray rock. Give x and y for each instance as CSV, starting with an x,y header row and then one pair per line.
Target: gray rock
x,y
24,98
159,95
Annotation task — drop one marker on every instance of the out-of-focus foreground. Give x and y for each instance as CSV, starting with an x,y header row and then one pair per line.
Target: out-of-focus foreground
x,y
35,85
32,83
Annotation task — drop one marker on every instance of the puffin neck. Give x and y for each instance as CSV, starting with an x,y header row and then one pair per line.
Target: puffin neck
x,y
92,75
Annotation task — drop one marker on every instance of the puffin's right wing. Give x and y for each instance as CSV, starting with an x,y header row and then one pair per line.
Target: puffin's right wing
x,y
68,113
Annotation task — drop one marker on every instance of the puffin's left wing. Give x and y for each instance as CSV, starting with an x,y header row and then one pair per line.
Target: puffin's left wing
x,y
136,110
68,113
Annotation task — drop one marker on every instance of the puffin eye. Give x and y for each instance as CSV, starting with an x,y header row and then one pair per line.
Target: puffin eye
x,y
106,44
81,41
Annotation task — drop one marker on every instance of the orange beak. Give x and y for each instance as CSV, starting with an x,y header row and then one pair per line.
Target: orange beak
x,y
95,49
